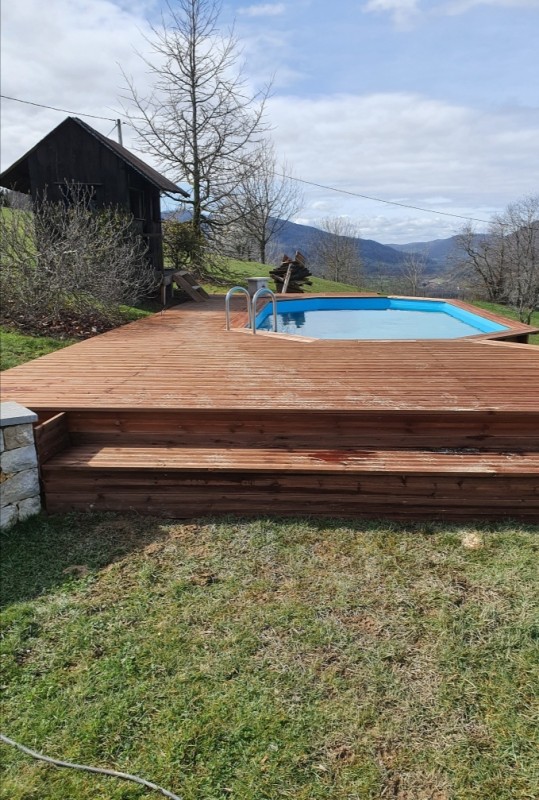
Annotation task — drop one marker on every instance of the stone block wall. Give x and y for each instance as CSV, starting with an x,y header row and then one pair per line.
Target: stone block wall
x,y
19,477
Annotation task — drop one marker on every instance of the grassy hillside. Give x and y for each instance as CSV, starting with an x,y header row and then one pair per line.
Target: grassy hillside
x,y
505,311
241,270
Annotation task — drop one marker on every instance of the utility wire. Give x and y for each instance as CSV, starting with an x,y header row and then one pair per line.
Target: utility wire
x,y
53,108
288,177
379,200
110,772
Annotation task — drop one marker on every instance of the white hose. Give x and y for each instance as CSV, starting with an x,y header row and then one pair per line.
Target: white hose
x,y
110,772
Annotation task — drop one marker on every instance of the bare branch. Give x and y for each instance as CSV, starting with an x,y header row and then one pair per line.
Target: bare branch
x,y
200,121
261,205
68,259
505,261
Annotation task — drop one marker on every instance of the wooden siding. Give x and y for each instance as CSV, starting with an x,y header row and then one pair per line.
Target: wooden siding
x,y
74,153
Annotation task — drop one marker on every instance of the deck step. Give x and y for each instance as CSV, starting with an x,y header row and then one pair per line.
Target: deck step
x,y
237,459
174,481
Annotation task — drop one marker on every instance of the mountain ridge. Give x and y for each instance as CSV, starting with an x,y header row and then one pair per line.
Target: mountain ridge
x,y
376,258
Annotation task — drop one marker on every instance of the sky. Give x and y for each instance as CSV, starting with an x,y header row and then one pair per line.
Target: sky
x,y
426,103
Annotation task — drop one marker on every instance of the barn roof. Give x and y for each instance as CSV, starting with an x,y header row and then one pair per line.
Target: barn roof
x,y
11,177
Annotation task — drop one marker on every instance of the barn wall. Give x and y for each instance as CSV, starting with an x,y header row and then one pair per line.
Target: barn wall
x,y
74,155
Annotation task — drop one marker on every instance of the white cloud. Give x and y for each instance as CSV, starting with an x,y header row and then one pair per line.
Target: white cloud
x,y
403,11
66,53
264,10
425,152
409,147
461,6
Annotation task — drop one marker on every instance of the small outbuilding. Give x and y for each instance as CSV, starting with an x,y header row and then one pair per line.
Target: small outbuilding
x,y
74,152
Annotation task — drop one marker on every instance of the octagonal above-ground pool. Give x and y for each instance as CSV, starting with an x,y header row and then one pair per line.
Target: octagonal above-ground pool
x,y
380,318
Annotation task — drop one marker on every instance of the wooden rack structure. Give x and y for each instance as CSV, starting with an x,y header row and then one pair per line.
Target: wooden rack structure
x,y
291,275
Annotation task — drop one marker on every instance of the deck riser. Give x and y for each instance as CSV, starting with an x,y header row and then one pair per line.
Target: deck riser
x,y
479,430
458,497
257,488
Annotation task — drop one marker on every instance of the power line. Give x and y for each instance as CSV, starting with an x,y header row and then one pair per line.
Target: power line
x,y
379,200
53,108
288,177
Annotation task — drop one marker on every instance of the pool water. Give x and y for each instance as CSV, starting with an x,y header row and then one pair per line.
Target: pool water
x,y
374,318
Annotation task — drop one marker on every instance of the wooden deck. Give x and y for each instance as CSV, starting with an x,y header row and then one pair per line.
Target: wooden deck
x,y
176,416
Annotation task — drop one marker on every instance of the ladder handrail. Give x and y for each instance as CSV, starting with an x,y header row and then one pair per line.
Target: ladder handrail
x,y
259,293
229,294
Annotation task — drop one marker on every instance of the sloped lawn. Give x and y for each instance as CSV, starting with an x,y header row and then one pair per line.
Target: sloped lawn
x,y
267,659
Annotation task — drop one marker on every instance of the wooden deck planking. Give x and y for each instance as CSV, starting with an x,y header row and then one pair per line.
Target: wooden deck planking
x,y
236,459
184,359
174,416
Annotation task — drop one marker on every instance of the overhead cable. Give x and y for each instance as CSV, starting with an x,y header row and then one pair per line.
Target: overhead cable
x,y
288,177
379,199
53,108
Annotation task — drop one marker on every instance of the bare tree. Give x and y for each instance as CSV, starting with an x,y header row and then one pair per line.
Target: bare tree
x,y
413,273
67,264
505,261
199,121
265,200
337,250
522,241
485,259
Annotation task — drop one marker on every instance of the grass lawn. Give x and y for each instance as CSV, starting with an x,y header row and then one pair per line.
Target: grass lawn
x,y
509,312
17,348
269,659
241,270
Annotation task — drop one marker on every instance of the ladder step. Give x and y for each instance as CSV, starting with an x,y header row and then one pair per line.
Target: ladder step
x,y
187,283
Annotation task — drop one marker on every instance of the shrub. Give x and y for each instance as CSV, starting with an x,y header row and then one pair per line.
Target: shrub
x,y
69,261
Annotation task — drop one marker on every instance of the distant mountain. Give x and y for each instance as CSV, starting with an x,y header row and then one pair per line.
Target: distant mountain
x,y
376,258
438,250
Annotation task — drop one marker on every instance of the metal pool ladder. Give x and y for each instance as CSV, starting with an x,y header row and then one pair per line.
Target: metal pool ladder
x,y
251,305
229,294
263,290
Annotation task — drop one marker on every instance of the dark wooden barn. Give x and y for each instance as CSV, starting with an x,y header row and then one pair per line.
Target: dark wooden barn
x,y
74,152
